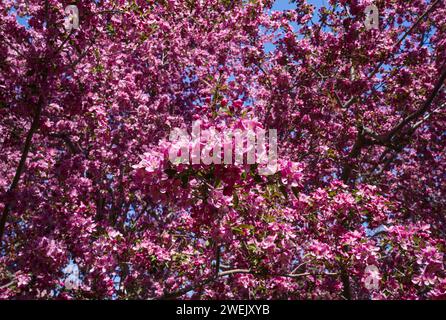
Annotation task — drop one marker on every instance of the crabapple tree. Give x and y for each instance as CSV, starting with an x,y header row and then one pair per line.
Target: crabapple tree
x,y
356,209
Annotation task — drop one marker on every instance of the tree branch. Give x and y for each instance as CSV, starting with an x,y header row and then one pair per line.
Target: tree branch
x,y
191,287
21,166
425,107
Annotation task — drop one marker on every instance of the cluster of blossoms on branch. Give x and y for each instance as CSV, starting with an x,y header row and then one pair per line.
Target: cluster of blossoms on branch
x,y
243,142
92,208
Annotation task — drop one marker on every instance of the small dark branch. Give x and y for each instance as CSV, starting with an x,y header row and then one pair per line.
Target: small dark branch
x,y
259,65
361,142
82,55
59,49
287,275
7,285
427,116
179,293
344,105
387,139
377,164
392,52
422,110
21,166
346,291
217,260
388,162
111,12
378,138
349,103
191,287
74,148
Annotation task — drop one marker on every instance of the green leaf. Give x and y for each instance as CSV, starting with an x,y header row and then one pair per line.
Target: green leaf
x,y
235,200
269,218
237,230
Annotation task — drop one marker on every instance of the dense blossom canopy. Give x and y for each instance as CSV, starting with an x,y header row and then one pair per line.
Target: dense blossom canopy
x,y
85,184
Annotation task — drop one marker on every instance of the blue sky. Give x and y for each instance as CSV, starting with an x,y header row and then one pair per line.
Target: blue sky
x,y
278,5
285,5
281,5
